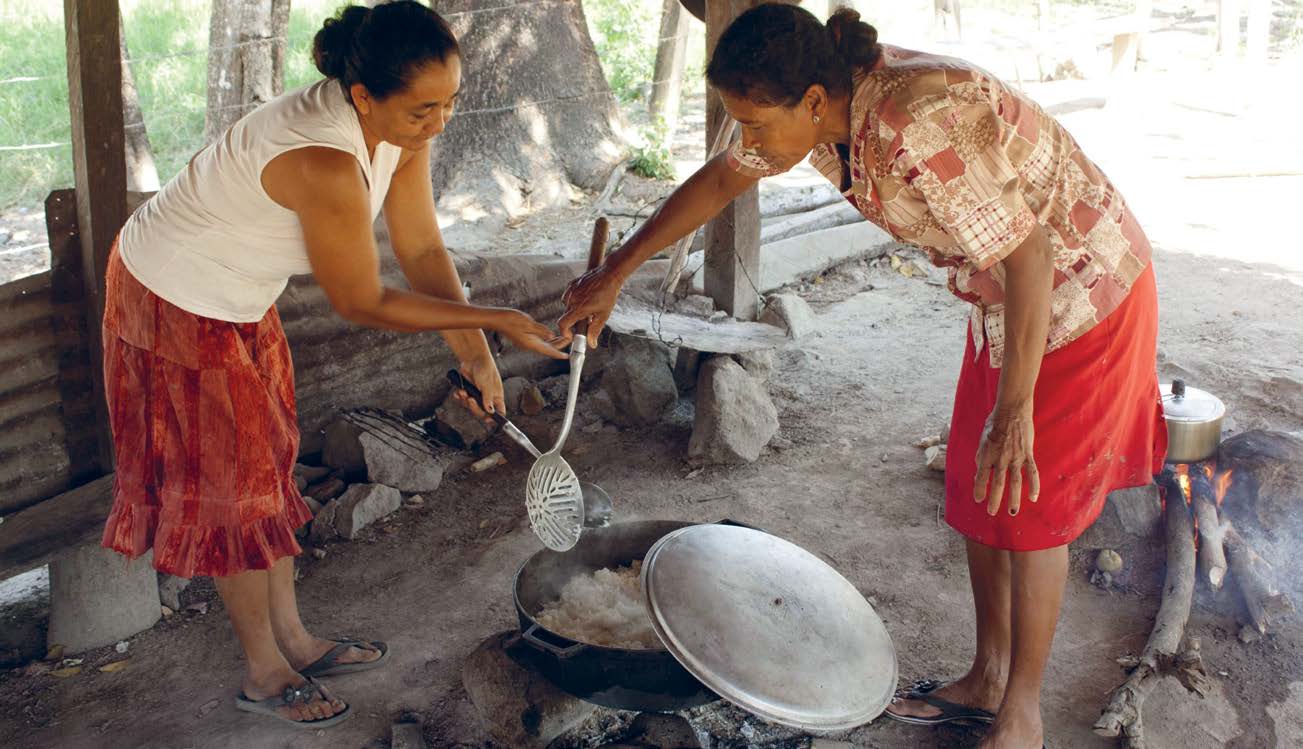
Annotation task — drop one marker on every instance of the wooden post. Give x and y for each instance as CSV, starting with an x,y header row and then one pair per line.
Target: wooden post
x,y
1228,28
732,237
99,164
1258,35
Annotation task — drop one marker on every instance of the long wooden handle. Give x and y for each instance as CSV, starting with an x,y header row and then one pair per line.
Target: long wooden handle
x,y
597,250
596,254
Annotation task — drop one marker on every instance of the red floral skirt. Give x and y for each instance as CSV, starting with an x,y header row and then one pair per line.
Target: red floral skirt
x,y
1099,427
205,435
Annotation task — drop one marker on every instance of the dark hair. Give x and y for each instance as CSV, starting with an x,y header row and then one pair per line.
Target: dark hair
x,y
380,47
773,53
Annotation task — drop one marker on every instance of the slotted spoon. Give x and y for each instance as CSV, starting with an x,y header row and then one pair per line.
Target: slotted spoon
x,y
598,508
553,497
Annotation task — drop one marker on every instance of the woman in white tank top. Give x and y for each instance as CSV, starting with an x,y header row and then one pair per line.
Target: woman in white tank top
x,y
197,369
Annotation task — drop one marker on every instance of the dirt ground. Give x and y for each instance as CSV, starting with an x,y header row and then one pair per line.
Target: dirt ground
x,y
847,484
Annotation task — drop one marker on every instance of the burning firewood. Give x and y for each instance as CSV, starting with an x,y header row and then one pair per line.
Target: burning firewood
x,y
1212,531
1163,654
1253,576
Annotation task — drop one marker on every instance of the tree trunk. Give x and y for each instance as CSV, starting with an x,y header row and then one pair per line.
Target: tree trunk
x,y
1228,28
1259,31
142,175
671,54
535,116
246,59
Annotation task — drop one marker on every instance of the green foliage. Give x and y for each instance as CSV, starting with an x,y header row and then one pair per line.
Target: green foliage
x,y
654,160
625,33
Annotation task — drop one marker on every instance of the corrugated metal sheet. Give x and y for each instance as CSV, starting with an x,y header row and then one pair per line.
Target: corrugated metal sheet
x,y
47,434
47,437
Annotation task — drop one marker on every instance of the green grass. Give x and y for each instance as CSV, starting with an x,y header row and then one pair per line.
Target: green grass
x,y
168,45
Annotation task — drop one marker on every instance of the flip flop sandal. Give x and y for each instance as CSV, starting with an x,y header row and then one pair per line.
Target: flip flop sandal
x,y
951,712
303,694
328,664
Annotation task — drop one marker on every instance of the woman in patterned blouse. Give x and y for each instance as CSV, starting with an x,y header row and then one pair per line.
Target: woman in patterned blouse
x,y
1057,402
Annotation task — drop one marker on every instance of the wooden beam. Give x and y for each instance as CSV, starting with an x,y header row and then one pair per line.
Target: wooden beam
x,y
99,163
732,237
40,534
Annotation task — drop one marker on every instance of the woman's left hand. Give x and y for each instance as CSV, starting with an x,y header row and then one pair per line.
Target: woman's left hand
x,y
1003,456
483,371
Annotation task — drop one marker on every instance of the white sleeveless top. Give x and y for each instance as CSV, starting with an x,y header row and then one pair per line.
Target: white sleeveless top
x,y
212,241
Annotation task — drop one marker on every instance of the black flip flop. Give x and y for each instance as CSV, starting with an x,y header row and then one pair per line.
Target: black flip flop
x,y
951,712
303,694
328,665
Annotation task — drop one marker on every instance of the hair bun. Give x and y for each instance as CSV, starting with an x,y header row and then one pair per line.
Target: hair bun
x,y
332,45
855,41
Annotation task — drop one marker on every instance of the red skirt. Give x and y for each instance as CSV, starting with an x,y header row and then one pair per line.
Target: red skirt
x,y
205,435
1099,427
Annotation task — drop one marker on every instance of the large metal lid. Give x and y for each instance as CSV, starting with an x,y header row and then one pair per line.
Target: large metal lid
x,y
1187,404
770,627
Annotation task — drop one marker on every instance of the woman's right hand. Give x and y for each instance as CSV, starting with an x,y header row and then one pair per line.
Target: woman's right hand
x,y
528,333
590,297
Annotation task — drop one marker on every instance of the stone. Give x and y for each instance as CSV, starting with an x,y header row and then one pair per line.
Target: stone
x,y
935,458
1267,472
313,505
735,417
532,401
759,364
830,744
98,598
687,362
406,465
415,501
300,483
484,464
512,389
1128,515
362,505
459,426
695,304
327,490
517,706
169,590
311,474
341,449
406,735
554,388
640,382
791,313
1108,561
318,552
323,525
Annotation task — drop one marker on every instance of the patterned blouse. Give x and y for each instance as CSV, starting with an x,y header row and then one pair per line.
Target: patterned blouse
x,y
946,157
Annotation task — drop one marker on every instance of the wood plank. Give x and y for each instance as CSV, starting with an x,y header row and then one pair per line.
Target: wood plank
x,y
732,237
99,163
41,533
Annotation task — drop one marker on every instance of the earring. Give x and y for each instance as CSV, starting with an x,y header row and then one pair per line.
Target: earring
x,y
816,119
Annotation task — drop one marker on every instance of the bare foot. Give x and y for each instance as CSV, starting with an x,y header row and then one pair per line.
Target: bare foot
x,y
1015,730
969,691
314,709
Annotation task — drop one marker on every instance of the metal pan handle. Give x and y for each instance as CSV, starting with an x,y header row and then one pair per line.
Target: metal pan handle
x,y
534,636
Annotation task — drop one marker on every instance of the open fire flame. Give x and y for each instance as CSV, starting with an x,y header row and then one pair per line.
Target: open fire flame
x,y
1220,482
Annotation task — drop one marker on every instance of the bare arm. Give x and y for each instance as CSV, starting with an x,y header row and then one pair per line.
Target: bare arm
x,y
1007,446
418,245
326,189
696,201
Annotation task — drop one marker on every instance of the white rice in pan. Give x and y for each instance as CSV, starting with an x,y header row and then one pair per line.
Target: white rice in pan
x,y
603,608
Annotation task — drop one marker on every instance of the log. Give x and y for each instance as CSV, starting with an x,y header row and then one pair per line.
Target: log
x,y
1253,577
1162,654
1212,552
43,532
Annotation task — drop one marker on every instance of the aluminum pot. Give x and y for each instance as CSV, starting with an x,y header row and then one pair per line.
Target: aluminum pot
x,y
1194,422
623,679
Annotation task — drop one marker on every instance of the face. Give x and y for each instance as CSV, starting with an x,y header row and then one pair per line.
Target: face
x,y
412,116
780,135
